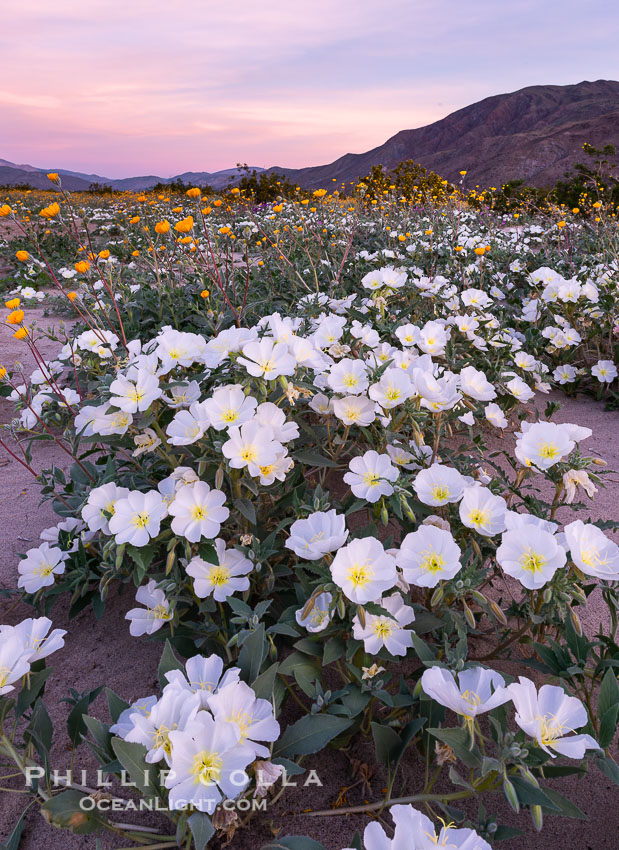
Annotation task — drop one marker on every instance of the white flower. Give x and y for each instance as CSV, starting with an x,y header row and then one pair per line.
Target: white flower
x,y
137,517
202,676
370,476
348,377
478,689
495,416
592,552
278,469
101,505
543,444
268,359
437,394
406,334
188,426
354,410
237,703
33,633
373,280
145,442
482,510
107,424
207,763
13,660
388,632
432,338
565,374
40,567
175,710
319,533
605,371
519,389
125,724
134,391
550,716
145,621
274,417
415,831
229,407
321,404
252,445
198,512
393,278
363,570
183,395
475,384
533,558
439,485
394,388
223,579
428,555
574,478
319,617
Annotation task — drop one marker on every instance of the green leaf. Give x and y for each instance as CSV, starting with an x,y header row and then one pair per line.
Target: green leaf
x,y
40,731
35,683
132,758
245,507
168,662
116,705
608,696
75,721
310,734
356,843
314,459
263,685
386,743
63,810
609,768
12,842
608,725
252,654
504,832
530,795
423,650
564,806
291,767
101,735
294,842
201,828
142,555
334,650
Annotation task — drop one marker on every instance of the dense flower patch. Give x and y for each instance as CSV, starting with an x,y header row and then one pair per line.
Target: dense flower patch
x,y
307,435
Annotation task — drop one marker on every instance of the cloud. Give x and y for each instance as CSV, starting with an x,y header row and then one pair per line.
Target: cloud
x,y
119,87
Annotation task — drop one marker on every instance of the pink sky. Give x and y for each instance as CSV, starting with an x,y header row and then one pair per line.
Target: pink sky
x,y
136,87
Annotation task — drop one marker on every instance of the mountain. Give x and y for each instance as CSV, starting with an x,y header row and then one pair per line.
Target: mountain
x,y
12,174
534,134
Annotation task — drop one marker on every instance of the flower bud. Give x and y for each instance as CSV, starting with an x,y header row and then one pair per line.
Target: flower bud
x,y
437,597
510,794
468,615
575,622
498,613
537,816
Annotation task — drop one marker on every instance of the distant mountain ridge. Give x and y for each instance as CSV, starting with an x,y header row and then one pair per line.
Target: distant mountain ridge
x,y
12,174
534,134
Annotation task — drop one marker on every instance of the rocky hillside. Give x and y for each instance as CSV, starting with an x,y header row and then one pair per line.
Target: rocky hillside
x,y
534,134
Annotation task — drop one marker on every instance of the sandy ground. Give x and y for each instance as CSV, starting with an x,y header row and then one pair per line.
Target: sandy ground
x,y
98,652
